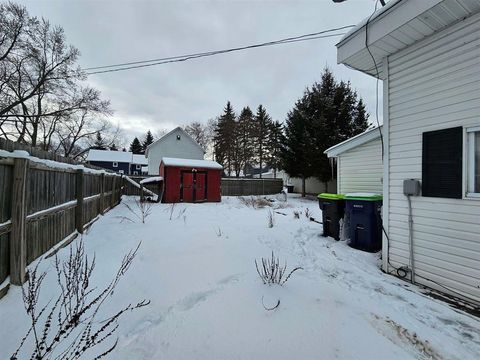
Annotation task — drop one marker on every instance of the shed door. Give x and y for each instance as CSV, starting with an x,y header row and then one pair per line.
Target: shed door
x,y
187,186
200,186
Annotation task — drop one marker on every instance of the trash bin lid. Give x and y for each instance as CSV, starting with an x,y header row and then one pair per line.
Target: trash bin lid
x,y
363,196
331,196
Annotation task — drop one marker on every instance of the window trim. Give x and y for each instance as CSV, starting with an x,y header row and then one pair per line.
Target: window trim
x,y
115,164
121,172
138,166
469,175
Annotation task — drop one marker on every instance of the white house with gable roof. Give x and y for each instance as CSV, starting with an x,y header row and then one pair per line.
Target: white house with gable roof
x,y
427,53
175,144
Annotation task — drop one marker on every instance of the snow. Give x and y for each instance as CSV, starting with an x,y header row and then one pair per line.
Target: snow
x,y
109,155
362,194
139,159
50,163
206,297
151,179
205,164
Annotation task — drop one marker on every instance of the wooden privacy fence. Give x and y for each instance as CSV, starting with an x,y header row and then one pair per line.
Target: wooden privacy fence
x,y
230,186
244,187
42,205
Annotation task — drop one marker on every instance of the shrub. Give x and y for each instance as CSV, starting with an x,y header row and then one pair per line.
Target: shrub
x,y
271,272
68,325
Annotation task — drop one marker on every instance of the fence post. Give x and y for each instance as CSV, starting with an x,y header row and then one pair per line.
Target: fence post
x,y
112,199
79,208
18,246
102,190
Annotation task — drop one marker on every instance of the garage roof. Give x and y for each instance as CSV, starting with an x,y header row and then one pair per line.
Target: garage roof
x,y
360,139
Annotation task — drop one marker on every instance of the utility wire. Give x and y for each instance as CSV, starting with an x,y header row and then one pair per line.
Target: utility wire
x,y
181,58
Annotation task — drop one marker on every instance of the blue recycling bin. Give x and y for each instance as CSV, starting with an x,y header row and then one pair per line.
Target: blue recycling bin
x,y
364,212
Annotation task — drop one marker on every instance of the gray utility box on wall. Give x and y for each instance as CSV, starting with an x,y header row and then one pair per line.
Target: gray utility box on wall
x,y
411,187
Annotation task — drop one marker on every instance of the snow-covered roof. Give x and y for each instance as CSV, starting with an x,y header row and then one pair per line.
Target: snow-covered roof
x,y
169,134
151,179
109,155
397,25
139,159
205,164
353,142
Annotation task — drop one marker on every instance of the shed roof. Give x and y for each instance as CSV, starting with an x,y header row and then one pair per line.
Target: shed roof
x,y
397,25
353,142
109,155
205,164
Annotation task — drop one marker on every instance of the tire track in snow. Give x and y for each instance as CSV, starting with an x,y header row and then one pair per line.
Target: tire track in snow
x,y
183,305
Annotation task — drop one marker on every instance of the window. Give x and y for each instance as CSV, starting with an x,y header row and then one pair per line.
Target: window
x,y
135,173
138,166
178,137
115,164
442,163
473,162
121,172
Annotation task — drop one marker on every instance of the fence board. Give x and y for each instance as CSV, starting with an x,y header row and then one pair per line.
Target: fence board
x,y
245,187
50,203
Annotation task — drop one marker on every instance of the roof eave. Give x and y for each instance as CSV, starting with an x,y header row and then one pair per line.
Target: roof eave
x,y
349,144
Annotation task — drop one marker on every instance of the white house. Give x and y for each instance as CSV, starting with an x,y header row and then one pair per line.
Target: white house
x,y
427,53
176,144
359,163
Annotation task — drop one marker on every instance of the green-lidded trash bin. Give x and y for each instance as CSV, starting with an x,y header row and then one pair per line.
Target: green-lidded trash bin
x,y
364,213
333,209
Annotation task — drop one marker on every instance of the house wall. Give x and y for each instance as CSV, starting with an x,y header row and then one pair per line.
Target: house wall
x,y
185,148
108,165
361,169
433,85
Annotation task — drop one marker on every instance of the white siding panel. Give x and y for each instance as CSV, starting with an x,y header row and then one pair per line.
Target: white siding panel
x,y
361,169
433,85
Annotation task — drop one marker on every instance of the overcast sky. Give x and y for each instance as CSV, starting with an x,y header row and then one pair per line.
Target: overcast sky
x,y
165,96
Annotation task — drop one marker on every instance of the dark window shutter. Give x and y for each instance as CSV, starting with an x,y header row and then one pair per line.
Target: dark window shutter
x,y
442,163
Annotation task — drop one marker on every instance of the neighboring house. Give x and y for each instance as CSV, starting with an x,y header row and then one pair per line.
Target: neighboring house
x,y
176,144
121,162
118,161
359,163
427,54
312,184
139,162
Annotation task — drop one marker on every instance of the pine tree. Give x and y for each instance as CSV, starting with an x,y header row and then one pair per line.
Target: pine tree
x,y
224,137
148,140
136,147
99,143
262,126
275,136
296,144
328,113
245,139
113,147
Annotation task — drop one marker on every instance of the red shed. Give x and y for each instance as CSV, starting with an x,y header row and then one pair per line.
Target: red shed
x,y
188,180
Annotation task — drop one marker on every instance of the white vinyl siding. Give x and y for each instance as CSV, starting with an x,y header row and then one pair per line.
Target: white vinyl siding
x,y
360,169
434,85
185,148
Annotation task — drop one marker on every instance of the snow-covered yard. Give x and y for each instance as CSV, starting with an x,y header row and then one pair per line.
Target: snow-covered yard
x,y
206,297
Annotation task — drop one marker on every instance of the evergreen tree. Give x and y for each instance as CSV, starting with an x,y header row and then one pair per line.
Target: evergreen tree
x,y
224,138
148,140
99,143
262,126
328,113
296,144
113,147
136,146
274,143
245,139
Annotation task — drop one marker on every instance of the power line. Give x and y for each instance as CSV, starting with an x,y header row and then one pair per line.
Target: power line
x,y
181,58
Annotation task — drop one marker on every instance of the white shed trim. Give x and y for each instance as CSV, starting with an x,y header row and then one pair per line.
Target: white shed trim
x,y
353,142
